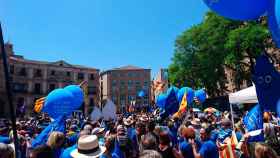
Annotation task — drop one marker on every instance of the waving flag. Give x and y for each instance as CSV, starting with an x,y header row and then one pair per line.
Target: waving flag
x,y
57,125
267,81
254,121
183,106
171,104
227,149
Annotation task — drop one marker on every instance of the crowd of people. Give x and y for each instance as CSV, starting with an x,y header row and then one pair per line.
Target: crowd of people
x,y
144,135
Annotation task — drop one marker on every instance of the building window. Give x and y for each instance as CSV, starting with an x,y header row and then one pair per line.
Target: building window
x,y
123,74
92,77
137,82
130,74
22,72
12,69
114,88
123,99
129,88
122,83
91,102
68,73
122,88
51,87
38,73
52,72
20,101
20,87
80,76
146,102
37,88
130,82
146,85
138,88
92,90
131,98
114,83
114,99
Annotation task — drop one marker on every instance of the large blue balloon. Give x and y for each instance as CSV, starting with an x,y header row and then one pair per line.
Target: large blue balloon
x,y
274,20
182,91
176,90
77,93
161,99
238,9
200,95
59,102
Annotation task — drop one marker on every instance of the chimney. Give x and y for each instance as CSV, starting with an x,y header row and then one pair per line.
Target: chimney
x,y
9,49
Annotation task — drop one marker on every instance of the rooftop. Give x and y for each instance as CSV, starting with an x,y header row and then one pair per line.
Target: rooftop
x,y
128,67
56,63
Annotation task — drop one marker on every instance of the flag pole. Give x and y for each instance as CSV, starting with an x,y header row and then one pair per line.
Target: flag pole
x,y
231,112
9,92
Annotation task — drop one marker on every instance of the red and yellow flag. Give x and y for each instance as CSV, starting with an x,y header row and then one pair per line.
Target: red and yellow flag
x,y
227,150
183,106
39,103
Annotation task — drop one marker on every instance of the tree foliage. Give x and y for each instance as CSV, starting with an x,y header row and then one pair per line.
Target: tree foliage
x,y
204,51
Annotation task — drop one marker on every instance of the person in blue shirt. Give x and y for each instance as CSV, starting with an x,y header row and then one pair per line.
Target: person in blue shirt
x,y
66,153
208,148
185,146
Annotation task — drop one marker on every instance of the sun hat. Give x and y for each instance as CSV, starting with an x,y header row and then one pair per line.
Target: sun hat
x,y
195,121
97,130
88,147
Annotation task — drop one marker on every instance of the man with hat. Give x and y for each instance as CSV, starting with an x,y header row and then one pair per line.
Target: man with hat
x,y
88,147
195,124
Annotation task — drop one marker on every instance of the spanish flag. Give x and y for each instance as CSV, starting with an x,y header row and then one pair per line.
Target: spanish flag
x,y
183,106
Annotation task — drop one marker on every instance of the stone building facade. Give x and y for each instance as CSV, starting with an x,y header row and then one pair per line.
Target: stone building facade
x,y
122,85
32,79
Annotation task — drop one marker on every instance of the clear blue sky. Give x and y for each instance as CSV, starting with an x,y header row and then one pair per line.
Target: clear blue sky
x,y
99,33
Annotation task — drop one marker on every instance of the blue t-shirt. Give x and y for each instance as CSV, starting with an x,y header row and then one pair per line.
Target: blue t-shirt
x,y
239,135
186,148
214,135
209,150
67,152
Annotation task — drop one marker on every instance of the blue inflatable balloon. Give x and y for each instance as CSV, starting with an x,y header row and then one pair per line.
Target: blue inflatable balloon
x,y
238,9
274,20
176,90
78,93
59,102
161,99
182,91
200,95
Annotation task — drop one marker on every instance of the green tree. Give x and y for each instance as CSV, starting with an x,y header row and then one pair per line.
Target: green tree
x,y
243,45
204,51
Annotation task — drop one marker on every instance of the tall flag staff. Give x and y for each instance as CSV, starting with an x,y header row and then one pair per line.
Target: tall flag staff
x,y
9,92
